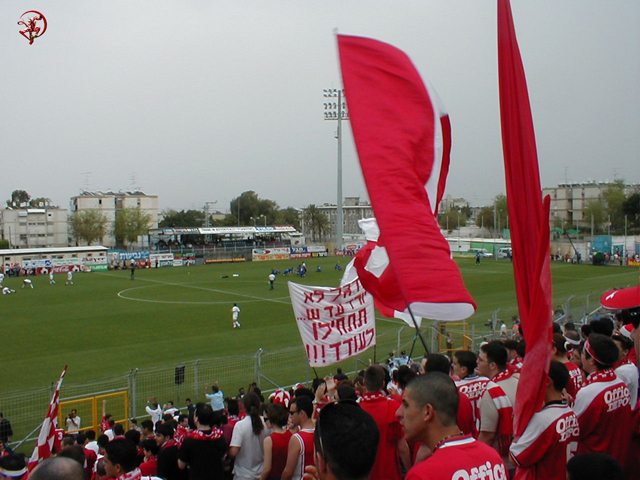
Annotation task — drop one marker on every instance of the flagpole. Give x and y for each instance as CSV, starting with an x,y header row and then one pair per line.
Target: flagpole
x,y
418,333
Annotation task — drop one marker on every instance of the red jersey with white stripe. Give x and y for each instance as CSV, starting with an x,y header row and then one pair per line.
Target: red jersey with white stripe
x,y
575,379
546,445
305,438
604,413
473,387
461,458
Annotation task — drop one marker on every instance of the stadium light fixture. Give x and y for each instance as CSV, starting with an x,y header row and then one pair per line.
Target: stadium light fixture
x,y
337,111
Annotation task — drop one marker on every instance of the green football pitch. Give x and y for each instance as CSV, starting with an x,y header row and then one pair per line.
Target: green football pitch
x,y
107,324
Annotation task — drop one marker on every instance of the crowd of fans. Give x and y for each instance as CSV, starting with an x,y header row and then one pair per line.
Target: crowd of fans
x,y
441,418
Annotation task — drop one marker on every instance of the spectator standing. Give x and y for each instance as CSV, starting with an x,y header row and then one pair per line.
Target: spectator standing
x,y
603,403
202,451
73,422
392,443
496,405
247,441
428,414
472,385
216,397
6,432
543,449
300,450
276,445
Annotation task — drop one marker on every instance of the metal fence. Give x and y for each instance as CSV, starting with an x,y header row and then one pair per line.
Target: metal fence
x,y
269,369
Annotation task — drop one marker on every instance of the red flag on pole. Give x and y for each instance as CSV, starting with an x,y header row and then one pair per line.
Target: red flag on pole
x,y
42,449
529,221
402,135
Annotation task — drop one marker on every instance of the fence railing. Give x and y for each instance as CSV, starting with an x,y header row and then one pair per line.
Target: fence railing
x,y
269,369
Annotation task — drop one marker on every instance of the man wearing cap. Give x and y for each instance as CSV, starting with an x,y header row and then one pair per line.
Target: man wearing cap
x,y
603,403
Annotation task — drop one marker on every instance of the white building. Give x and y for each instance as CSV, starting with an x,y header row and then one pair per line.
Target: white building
x,y
352,211
34,227
569,200
109,203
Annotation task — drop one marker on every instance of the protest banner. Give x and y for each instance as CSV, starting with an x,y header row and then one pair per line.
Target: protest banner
x,y
335,323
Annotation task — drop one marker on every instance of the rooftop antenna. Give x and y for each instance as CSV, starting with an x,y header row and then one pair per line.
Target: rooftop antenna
x,y
134,181
86,181
566,169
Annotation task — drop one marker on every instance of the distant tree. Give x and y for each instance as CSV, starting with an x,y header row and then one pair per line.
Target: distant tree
x,y
88,225
188,218
631,208
453,218
18,198
131,223
41,202
288,216
596,210
614,198
4,244
316,222
250,205
496,213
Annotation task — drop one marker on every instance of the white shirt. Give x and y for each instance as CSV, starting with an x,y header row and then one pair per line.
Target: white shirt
x,y
71,426
272,277
235,311
248,464
70,275
156,415
1,277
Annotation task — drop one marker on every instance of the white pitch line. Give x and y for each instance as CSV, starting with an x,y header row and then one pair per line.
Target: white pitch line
x,y
275,300
189,286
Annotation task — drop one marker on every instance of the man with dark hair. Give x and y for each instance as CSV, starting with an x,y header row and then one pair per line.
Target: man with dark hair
x,y
203,449
559,354
6,432
57,468
383,410
552,434
428,414
147,429
514,359
496,405
121,460
346,442
216,397
168,454
436,362
594,466
603,403
300,453
625,369
470,384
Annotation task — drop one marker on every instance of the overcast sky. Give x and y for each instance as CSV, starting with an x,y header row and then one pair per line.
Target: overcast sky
x,y
197,101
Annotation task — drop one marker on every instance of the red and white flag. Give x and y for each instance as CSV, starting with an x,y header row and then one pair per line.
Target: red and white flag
x,y
403,137
529,220
42,449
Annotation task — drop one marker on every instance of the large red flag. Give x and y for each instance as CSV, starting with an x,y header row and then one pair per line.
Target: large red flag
x,y
402,135
529,220
42,449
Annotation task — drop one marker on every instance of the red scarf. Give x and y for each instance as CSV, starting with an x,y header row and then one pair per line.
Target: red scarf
x,y
134,474
505,411
366,397
606,375
214,434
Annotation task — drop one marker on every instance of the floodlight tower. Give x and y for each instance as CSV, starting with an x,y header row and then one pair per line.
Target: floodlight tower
x,y
337,111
